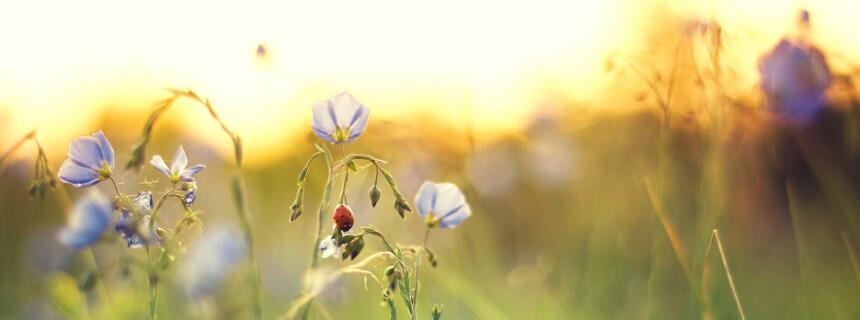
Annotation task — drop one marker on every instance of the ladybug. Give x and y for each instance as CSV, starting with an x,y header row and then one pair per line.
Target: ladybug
x,y
343,218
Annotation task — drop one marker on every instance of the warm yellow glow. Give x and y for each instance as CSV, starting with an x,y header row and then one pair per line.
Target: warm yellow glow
x,y
62,62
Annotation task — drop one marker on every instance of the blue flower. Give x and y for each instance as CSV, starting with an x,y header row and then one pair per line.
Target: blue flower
x,y
211,260
190,197
328,248
90,161
134,231
794,77
90,219
339,119
177,171
442,204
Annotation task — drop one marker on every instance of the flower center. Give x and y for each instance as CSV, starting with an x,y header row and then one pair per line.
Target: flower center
x,y
104,172
432,220
340,135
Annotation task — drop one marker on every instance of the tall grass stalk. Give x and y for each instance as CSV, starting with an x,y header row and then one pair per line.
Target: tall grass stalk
x,y
715,238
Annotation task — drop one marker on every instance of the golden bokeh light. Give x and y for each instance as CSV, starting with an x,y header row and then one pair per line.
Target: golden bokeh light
x,y
63,63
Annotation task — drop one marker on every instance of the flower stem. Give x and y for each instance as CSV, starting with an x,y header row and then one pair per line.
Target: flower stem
x,y
315,253
153,286
417,270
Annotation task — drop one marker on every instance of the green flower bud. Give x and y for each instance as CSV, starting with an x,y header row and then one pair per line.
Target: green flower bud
x,y
436,311
374,194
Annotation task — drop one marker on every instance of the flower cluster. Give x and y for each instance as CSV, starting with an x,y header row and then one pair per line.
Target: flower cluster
x,y
134,220
339,120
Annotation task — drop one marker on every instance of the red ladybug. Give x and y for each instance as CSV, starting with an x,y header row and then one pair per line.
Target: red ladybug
x,y
343,218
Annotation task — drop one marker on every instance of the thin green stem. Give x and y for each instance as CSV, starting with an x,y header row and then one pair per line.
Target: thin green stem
x,y
315,254
417,271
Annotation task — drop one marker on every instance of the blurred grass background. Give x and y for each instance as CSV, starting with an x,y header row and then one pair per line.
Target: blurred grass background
x,y
579,232
579,213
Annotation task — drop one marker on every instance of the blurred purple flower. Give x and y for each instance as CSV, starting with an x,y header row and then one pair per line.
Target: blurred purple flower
x,y
794,78
442,204
91,160
134,232
339,119
90,219
178,170
211,260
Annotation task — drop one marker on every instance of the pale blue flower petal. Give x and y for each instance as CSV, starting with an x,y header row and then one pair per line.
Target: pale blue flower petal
x,y
322,123
328,248
86,152
160,165
190,172
90,219
106,149
456,216
448,198
130,231
424,198
359,123
180,161
344,108
78,176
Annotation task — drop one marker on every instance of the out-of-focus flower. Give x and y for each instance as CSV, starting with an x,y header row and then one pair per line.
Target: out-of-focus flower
x,y
339,119
178,170
135,231
442,204
211,260
328,248
91,160
794,78
493,170
90,219
190,197
343,217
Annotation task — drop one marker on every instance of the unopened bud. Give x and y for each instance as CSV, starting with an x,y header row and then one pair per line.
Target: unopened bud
x,y
374,194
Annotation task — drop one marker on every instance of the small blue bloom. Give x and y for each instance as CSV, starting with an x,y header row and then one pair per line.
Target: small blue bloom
x,y
794,77
442,204
339,119
91,160
134,231
90,219
177,171
211,260
328,248
190,197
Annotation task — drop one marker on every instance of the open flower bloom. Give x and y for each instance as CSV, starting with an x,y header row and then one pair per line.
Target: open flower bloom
x,y
442,204
90,161
339,119
135,231
328,248
211,260
177,170
90,219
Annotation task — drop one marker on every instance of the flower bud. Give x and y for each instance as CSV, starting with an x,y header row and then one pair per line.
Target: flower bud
x,y
436,311
374,194
343,217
